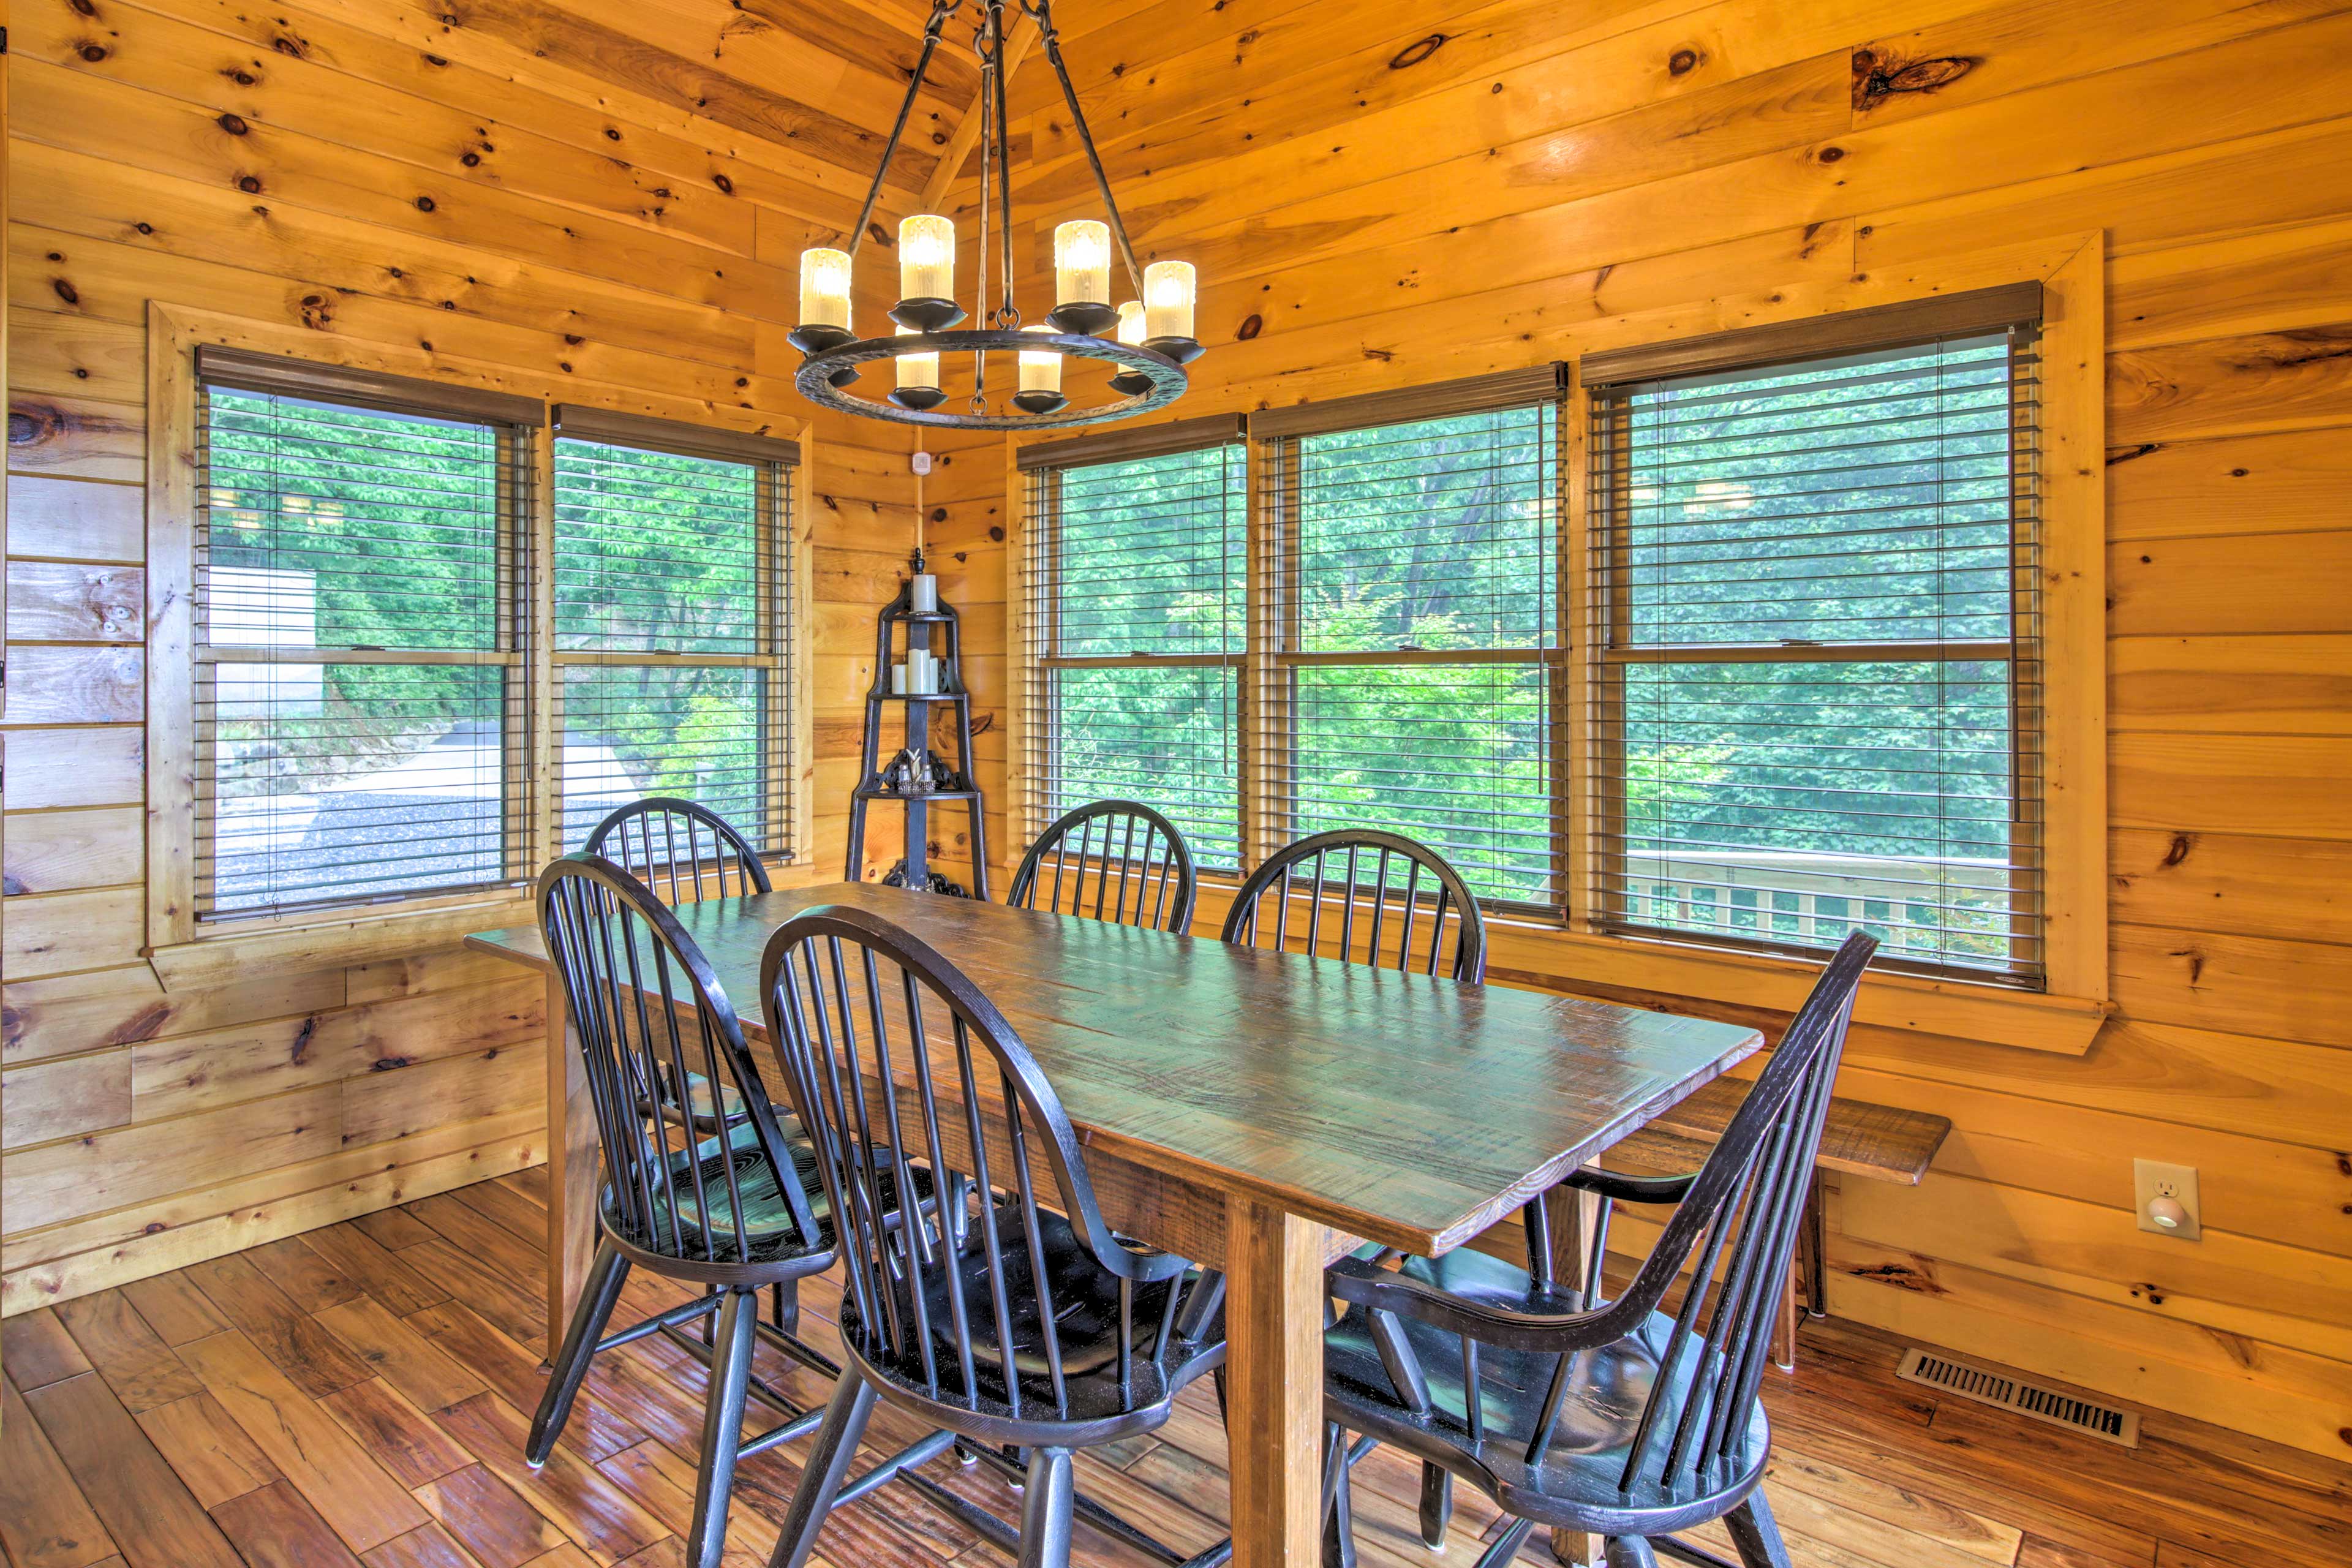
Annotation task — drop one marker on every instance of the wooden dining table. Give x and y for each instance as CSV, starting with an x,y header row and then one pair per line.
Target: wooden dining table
x,y
1257,1112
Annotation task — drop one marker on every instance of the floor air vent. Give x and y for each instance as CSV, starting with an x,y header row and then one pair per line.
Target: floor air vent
x,y
2006,1392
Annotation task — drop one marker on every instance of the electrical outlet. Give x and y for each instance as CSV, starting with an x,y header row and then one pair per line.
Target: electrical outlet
x,y
2153,1181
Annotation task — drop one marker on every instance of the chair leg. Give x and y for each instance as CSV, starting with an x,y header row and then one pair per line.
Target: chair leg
x,y
786,1309
1046,1507
1756,1535
1339,1500
723,1428
828,1464
1631,1551
570,1369
1436,1505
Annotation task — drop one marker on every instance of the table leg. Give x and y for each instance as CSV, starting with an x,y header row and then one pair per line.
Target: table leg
x,y
1274,1383
1575,1220
571,1153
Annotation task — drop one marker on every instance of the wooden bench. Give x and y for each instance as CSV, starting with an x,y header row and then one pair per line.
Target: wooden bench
x,y
1875,1142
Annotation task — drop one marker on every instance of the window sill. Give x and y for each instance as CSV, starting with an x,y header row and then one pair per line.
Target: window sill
x,y
329,941
1967,1010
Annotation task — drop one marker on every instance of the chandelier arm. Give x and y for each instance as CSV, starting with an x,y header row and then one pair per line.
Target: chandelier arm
x,y
941,11
1044,12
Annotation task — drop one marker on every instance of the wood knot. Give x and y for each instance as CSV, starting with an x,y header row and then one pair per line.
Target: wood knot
x,y
1251,326
2181,844
1682,62
996,535
93,53
1831,154
232,123
66,291
1875,79
249,183
1414,52
726,185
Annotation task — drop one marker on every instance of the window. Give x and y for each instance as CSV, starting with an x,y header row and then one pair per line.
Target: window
x,y
673,595
1136,632
371,721
1785,676
1409,618
1817,682
360,701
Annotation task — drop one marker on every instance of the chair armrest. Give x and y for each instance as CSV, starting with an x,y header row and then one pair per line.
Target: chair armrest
x,y
1363,1284
1631,1189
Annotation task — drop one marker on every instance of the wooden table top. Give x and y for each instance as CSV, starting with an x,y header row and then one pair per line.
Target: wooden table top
x,y
1406,1110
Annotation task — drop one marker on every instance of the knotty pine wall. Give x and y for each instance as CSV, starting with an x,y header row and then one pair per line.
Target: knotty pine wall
x,y
1383,194
551,202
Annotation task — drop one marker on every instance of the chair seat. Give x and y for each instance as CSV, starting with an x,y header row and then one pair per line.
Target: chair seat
x,y
703,1226
1085,1324
1577,1482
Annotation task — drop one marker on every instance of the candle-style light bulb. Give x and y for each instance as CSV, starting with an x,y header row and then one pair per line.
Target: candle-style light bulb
x,y
1168,299
926,245
917,369
1041,369
825,288
1082,262
1130,323
918,377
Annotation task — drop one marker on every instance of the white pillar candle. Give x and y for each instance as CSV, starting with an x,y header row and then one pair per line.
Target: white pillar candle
x,y
1041,369
922,672
825,288
1168,299
898,679
926,246
1082,262
923,594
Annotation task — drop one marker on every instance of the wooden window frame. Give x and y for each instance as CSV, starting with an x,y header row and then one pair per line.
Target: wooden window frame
x,y
2064,1016
1040,465
781,607
1608,380
1275,596
186,952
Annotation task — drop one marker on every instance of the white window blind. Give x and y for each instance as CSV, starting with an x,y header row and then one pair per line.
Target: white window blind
x,y
359,694
1411,615
1136,636
673,595
1816,670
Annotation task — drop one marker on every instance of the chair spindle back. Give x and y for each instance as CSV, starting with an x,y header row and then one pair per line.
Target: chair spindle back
x,y
1107,854
649,1013
907,1076
671,844
1403,894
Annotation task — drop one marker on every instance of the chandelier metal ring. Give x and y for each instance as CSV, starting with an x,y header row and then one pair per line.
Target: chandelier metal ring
x,y
815,377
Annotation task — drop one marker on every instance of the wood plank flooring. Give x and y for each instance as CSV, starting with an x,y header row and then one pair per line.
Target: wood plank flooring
x,y
358,1395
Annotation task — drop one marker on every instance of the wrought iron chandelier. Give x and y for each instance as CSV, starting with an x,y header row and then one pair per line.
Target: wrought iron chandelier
x,y
1146,341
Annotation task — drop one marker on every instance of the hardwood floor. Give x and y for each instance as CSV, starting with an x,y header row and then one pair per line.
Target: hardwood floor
x,y
359,1396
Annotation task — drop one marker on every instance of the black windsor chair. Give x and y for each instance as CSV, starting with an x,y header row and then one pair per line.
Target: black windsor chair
x,y
1610,1417
731,1210
1022,1326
